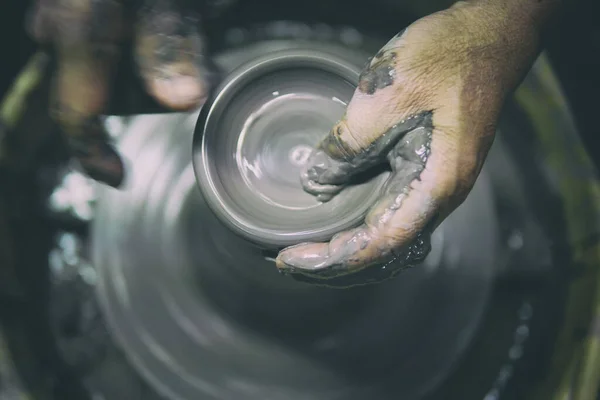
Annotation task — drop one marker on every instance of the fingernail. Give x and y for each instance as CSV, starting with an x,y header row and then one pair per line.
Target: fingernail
x,y
281,262
304,256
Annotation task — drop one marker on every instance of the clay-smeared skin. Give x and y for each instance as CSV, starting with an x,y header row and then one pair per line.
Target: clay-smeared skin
x,y
406,147
380,70
379,74
427,103
87,36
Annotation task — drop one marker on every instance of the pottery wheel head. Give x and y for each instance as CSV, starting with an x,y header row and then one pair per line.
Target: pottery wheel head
x,y
255,135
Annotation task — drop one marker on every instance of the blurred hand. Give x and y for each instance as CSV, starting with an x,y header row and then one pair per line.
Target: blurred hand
x,y
87,36
427,104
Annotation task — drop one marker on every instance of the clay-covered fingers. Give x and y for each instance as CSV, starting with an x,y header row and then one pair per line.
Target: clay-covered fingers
x,y
86,35
169,53
334,162
395,233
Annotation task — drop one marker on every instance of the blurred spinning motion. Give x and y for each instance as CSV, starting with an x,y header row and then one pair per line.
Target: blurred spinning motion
x,y
427,103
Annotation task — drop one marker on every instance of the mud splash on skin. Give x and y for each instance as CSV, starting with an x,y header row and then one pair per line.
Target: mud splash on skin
x,y
379,74
380,71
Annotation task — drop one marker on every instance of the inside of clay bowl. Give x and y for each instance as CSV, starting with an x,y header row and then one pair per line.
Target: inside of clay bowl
x,y
256,133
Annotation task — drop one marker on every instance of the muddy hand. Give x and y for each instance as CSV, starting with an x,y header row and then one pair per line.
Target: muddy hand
x,y
87,36
427,104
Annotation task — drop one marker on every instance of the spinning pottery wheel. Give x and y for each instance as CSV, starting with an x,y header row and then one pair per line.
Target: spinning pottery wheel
x,y
191,304
187,279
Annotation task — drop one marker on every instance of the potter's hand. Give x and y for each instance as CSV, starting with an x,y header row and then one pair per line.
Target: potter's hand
x,y
87,36
427,103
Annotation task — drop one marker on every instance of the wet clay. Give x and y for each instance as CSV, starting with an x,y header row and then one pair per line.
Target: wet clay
x,y
362,255
333,163
405,258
